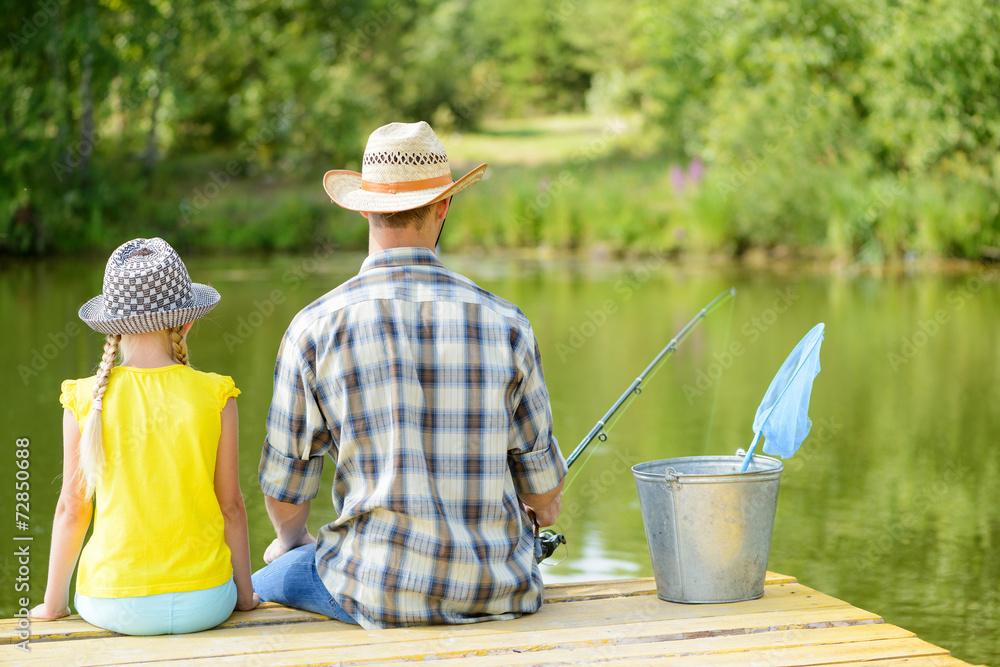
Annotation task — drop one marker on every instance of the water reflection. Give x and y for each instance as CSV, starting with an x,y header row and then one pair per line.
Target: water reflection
x,y
891,504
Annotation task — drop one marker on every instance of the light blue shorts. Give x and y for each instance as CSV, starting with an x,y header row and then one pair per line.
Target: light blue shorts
x,y
161,614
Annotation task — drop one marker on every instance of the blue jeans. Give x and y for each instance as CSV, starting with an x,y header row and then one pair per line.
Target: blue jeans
x,y
293,581
160,614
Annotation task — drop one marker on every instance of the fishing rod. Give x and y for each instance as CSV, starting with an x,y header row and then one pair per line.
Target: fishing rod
x,y
546,541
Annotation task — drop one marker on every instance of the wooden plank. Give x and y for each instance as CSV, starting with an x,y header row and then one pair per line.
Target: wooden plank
x,y
469,647
782,606
618,620
831,654
783,597
824,646
627,587
792,647
631,608
74,627
614,622
754,660
271,613
929,661
732,648
771,578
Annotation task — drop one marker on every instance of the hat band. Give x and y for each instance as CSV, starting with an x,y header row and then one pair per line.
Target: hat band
x,y
406,186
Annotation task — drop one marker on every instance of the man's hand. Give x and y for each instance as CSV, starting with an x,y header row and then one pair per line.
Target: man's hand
x,y
277,549
289,522
543,507
546,516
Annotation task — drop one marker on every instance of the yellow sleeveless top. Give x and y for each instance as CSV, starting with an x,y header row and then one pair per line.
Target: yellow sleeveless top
x,y
158,527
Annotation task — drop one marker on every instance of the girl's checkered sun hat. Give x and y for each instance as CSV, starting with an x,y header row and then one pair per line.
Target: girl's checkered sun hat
x,y
404,167
146,288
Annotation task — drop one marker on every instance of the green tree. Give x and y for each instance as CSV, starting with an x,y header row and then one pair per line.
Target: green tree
x,y
817,118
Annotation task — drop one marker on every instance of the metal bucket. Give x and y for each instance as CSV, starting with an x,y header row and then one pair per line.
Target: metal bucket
x,y
708,526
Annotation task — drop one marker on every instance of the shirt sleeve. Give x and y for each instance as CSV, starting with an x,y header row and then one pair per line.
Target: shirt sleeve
x,y
77,397
291,463
68,398
227,390
536,463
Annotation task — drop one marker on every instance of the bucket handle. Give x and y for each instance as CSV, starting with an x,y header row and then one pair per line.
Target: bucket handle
x,y
673,479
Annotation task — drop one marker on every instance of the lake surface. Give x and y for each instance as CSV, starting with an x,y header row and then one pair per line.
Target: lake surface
x,y
893,502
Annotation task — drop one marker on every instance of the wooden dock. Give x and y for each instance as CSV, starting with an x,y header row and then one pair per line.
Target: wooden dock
x,y
619,622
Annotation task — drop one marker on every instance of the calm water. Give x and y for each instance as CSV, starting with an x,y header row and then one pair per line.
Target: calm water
x,y
893,503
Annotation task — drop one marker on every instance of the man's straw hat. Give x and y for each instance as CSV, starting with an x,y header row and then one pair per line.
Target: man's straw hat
x,y
146,288
404,167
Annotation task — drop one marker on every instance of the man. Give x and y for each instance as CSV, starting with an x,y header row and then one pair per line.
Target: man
x,y
428,393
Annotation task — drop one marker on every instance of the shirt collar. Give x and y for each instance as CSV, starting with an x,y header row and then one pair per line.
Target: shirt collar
x,y
392,257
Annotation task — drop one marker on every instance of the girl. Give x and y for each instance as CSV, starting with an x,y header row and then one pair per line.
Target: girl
x,y
152,444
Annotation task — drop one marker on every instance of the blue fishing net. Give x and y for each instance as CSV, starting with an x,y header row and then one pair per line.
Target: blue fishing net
x,y
782,417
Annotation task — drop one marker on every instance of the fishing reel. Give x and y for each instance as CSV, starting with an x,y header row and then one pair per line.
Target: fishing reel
x,y
546,542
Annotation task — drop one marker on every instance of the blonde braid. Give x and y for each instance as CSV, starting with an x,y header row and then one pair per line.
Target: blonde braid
x,y
92,459
180,345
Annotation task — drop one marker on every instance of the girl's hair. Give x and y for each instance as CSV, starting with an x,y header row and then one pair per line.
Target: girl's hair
x,y
92,459
179,344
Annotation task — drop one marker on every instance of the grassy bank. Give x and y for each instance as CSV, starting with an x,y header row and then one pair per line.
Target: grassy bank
x,y
628,204
562,183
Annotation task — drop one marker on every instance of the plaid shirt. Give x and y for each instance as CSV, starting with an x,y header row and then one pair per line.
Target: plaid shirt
x,y
428,393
